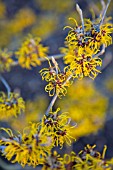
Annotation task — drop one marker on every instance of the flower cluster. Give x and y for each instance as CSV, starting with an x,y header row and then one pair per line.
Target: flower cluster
x,y
57,80
27,148
31,52
84,44
33,146
5,60
58,127
85,66
88,159
11,105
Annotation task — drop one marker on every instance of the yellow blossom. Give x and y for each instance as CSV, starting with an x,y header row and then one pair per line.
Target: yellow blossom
x,y
93,36
88,159
57,80
82,64
49,28
5,60
85,66
23,19
10,105
30,52
100,34
2,9
28,148
57,7
58,127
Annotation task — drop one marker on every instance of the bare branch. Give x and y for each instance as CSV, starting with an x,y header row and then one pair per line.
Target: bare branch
x,y
104,12
81,15
103,5
6,85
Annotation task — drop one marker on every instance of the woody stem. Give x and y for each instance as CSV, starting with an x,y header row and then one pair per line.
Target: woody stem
x,y
6,85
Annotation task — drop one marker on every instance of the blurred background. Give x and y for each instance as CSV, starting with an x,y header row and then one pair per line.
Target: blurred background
x,y
89,103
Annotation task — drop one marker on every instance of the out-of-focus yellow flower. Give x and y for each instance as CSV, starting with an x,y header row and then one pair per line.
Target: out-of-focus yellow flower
x,y
87,107
54,162
57,80
10,105
30,52
23,19
48,28
2,9
58,127
5,60
28,148
58,6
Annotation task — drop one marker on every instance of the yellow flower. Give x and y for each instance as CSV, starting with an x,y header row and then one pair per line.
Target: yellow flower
x,y
5,60
30,52
85,66
100,34
57,86
2,9
48,29
23,19
57,80
88,159
82,64
10,106
58,127
93,36
28,148
57,7
70,54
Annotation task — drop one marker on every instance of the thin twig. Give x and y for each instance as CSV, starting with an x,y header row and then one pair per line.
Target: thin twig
x,y
55,97
51,104
103,5
6,85
104,13
81,15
